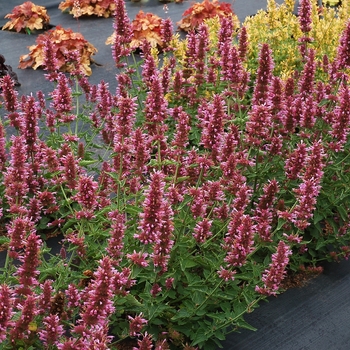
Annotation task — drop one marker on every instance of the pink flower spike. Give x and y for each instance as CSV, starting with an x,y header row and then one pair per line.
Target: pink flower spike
x,y
201,231
145,343
62,96
20,328
156,289
138,259
343,52
226,275
53,330
136,324
304,15
6,301
152,216
86,195
99,305
264,75
28,272
274,275
9,93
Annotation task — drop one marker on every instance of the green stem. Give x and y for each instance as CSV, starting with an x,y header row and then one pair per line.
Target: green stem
x,y
246,310
77,105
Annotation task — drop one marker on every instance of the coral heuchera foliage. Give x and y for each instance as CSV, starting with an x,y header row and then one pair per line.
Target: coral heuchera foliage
x,y
101,8
27,17
62,42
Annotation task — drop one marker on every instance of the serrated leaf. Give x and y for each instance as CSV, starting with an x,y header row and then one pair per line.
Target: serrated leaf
x,y
187,263
243,324
182,313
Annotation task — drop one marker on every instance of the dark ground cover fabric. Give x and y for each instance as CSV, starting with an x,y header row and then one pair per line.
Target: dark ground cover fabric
x,y
316,316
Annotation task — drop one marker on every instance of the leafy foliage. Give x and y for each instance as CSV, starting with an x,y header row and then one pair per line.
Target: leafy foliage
x,y
64,41
145,26
198,12
27,18
80,8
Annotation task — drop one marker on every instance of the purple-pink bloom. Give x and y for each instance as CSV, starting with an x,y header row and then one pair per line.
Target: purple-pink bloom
x,y
226,275
304,15
136,324
258,126
50,62
98,305
97,338
264,75
20,329
295,162
306,82
153,213
343,52
87,193
341,119
15,178
73,296
243,43
6,303
27,273
145,343
239,240
165,239
201,232
306,195
70,168
52,331
156,106
274,275
9,94
44,303
115,242
213,119
166,32
62,96
18,229
156,289
138,258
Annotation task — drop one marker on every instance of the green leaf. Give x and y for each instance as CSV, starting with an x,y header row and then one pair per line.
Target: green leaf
x,y
343,212
4,239
68,224
43,223
133,210
243,324
318,216
87,162
320,243
187,263
182,313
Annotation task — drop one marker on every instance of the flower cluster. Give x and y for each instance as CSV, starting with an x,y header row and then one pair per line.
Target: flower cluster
x,y
274,275
168,195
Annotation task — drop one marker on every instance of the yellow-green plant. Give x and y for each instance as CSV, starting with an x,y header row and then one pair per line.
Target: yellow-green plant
x,y
279,27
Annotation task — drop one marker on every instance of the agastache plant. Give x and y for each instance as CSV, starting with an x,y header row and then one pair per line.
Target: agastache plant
x,y
179,200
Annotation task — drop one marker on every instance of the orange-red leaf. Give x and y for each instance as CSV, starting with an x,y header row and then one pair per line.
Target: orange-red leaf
x,y
198,12
145,26
79,8
63,40
27,16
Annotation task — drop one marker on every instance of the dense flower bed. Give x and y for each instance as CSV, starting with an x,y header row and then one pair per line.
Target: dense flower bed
x,y
183,198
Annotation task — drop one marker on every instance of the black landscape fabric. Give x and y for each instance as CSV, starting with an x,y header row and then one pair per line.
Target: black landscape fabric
x,y
314,317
